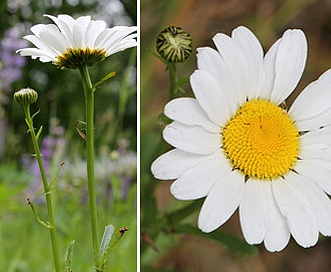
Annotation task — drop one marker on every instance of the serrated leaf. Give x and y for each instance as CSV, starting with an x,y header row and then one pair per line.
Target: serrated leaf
x,y
107,235
229,241
69,254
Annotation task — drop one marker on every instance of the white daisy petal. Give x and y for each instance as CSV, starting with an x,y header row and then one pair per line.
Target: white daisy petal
x,y
253,211
189,186
309,107
289,64
316,151
253,52
319,202
308,104
321,163
79,31
109,38
269,71
315,172
42,46
93,30
103,37
187,110
192,139
210,60
236,62
316,122
175,162
51,35
37,28
297,210
65,26
221,202
210,97
319,136
277,234
122,45
35,53
68,20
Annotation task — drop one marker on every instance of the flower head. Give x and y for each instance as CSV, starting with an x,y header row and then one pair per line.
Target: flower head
x,y
71,43
174,44
236,146
26,96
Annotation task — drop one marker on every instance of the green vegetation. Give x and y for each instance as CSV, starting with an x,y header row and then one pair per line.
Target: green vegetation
x,y
24,243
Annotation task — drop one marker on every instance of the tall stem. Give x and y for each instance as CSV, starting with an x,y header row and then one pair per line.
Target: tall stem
x,y
89,105
46,188
173,80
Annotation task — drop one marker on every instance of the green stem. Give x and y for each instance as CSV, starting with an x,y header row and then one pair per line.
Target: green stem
x,y
46,187
89,104
173,80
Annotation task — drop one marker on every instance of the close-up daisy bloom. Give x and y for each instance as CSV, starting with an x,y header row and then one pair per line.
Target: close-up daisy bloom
x,y
71,43
237,145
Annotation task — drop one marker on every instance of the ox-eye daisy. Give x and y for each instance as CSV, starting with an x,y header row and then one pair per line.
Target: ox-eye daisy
x,y
71,43
236,146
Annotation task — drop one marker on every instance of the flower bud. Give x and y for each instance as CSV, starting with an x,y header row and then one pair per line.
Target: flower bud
x,y
26,96
174,44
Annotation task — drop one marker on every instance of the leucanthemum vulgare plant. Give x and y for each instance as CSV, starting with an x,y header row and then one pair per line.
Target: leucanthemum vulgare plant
x,y
237,147
76,44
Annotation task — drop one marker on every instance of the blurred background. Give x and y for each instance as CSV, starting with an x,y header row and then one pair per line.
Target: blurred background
x,y
163,247
24,243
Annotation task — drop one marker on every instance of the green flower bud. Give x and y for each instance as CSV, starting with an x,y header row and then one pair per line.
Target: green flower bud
x,y
26,96
174,44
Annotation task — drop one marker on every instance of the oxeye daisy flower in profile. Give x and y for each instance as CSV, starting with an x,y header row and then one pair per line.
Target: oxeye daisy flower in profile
x,y
71,43
236,146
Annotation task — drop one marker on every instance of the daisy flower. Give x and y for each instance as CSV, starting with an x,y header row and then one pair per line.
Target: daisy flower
x,y
71,43
237,146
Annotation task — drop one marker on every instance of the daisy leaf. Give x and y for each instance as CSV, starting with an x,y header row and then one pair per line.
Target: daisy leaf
x,y
69,255
107,235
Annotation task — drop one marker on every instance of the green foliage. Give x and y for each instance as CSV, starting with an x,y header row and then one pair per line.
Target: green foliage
x,y
106,237
69,255
12,182
25,244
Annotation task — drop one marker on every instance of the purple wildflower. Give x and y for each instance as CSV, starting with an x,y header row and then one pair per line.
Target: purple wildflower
x,y
11,63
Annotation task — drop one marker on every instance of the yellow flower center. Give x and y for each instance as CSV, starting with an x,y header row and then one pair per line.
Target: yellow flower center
x,y
74,57
261,140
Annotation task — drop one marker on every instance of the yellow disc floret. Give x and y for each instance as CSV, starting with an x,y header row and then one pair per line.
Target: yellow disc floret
x,y
261,140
